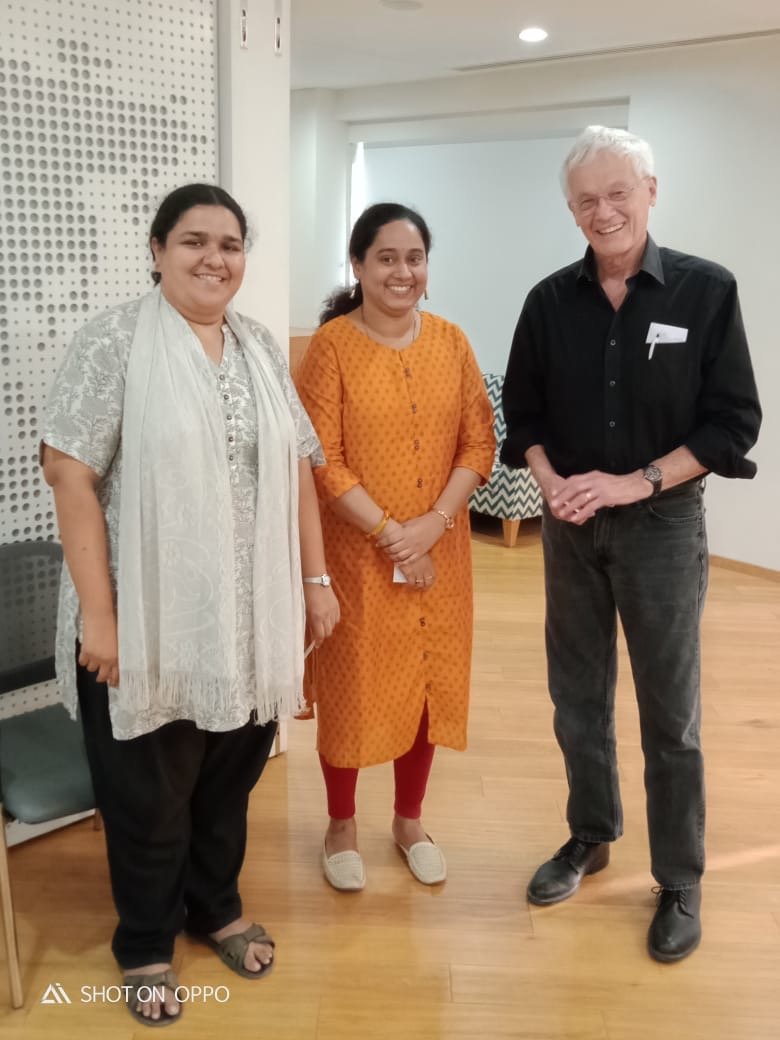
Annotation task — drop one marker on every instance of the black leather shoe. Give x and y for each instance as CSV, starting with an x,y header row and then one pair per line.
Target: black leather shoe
x,y
560,877
676,928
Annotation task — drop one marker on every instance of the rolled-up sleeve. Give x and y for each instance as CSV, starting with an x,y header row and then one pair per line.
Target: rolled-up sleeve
x,y
476,439
320,387
728,412
523,393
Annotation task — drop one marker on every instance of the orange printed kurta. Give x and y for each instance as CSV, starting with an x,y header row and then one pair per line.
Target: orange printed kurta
x,y
397,422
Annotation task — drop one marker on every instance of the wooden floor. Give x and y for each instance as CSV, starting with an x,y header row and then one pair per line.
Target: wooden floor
x,y
470,959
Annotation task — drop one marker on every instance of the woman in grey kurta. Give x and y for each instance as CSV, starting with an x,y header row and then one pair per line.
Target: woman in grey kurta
x,y
180,458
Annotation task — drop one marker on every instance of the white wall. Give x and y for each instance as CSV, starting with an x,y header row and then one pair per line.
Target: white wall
x,y
710,112
254,119
318,215
498,221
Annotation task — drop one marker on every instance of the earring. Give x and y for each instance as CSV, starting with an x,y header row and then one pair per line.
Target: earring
x,y
425,295
353,291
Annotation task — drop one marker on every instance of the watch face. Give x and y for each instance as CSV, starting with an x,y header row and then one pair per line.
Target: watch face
x,y
655,476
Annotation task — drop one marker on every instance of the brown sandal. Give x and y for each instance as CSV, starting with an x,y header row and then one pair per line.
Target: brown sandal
x,y
134,983
232,950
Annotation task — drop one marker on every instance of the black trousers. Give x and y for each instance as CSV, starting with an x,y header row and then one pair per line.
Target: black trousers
x,y
646,562
174,804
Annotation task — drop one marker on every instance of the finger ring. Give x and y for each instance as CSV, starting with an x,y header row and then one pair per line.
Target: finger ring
x,y
429,577
419,581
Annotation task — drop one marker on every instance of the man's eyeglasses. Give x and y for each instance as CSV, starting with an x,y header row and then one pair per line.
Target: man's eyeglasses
x,y
589,203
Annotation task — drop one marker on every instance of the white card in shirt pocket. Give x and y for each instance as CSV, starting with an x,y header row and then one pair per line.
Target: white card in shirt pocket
x,y
658,333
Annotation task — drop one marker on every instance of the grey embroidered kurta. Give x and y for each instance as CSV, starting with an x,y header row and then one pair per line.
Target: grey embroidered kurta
x,y
83,420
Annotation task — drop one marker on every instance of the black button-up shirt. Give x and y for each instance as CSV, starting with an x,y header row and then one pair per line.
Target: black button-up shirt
x,y
584,382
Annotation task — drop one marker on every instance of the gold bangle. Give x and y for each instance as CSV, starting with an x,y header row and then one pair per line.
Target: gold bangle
x,y
449,522
380,526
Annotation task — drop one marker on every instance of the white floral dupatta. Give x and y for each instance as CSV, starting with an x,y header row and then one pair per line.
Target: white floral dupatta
x,y
176,587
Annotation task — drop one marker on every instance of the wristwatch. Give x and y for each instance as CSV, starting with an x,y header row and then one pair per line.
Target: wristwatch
x,y
656,478
322,579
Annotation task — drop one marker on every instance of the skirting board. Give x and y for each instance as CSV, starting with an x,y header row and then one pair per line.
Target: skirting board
x,y
745,568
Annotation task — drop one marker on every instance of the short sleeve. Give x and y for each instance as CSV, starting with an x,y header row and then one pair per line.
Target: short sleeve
x,y
308,442
83,415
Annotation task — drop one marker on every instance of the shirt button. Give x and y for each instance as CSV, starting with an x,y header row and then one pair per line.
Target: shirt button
x,y
414,408
407,372
231,438
422,622
611,424
226,397
416,445
222,377
230,458
612,382
428,687
229,418
419,482
613,342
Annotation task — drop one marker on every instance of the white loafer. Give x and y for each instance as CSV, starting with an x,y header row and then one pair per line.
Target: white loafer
x,y
426,861
344,870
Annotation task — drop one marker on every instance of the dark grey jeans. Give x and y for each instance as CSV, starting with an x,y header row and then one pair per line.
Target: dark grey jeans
x,y
648,563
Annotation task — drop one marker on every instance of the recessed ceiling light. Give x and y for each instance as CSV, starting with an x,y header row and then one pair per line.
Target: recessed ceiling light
x,y
402,5
533,35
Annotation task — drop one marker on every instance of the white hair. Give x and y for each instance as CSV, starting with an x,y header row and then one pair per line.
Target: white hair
x,y
595,139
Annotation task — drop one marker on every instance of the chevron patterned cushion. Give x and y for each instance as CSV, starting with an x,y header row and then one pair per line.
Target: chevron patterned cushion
x,y
511,494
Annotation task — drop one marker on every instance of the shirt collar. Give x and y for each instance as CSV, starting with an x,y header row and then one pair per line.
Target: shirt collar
x,y
651,264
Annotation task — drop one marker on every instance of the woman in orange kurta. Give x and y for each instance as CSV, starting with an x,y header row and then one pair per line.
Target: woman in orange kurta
x,y
398,402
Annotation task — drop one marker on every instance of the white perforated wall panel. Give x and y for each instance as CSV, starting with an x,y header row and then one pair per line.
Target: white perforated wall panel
x,y
104,107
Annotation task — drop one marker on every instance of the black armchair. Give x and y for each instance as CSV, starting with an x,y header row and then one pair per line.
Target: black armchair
x,y
43,766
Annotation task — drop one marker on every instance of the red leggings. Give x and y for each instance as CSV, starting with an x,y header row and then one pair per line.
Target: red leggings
x,y
411,778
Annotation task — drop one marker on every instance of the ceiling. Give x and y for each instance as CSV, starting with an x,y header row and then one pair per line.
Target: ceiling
x,y
351,43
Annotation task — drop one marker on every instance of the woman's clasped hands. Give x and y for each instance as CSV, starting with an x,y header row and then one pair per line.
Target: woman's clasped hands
x,y
408,545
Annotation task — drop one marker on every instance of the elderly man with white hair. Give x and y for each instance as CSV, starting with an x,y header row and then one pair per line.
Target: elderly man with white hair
x,y
628,381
